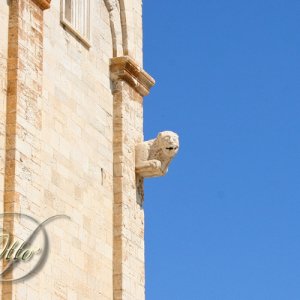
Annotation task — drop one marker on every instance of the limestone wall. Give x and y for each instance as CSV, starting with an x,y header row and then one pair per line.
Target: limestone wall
x,y
62,159
77,159
70,146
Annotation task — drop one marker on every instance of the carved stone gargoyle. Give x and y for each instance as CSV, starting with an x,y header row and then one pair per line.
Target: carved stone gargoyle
x,y
153,157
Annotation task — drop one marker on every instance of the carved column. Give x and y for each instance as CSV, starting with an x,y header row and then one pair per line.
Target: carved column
x,y
130,84
23,119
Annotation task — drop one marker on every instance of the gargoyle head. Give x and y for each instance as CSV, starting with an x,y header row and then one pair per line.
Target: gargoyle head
x,y
168,142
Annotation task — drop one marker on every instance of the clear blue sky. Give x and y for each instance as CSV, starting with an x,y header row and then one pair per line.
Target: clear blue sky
x,y
224,224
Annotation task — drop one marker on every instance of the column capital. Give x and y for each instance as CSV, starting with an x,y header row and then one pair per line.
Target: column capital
x,y
43,4
126,69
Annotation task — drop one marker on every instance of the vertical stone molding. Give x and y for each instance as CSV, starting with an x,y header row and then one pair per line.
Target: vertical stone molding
x,y
113,9
130,84
23,117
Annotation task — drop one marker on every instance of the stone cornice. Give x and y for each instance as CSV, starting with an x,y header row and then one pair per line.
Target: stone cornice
x,y
43,4
125,68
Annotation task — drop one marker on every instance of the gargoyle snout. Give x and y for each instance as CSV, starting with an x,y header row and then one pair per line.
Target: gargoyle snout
x,y
172,148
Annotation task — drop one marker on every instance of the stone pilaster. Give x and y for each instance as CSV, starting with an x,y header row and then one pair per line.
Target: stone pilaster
x,y
130,84
23,118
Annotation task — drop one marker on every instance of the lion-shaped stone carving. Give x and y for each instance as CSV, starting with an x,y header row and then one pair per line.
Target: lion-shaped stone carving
x,y
153,157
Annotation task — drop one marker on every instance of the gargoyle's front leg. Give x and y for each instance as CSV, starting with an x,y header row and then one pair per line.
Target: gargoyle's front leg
x,y
149,168
148,164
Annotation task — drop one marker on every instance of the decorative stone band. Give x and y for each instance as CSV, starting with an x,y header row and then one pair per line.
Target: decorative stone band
x,y
43,4
125,68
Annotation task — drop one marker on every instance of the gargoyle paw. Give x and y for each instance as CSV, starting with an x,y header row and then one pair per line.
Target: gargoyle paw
x,y
155,164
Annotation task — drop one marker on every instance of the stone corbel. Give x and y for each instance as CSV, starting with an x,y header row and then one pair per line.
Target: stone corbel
x,y
126,69
42,4
153,157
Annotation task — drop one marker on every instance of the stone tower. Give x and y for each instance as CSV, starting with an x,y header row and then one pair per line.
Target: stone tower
x,y
71,129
